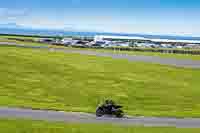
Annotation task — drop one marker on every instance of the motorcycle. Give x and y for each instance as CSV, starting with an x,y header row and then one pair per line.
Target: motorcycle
x,y
109,108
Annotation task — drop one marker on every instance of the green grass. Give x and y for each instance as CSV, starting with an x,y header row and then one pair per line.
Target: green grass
x,y
33,43
10,38
6,40
23,42
17,37
72,82
27,126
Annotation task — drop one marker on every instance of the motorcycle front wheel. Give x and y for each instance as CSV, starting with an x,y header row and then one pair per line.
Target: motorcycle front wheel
x,y
119,114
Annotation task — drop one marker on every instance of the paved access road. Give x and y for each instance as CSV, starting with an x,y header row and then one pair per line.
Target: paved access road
x,y
140,58
91,118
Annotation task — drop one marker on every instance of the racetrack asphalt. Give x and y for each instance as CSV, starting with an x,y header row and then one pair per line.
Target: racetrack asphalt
x,y
186,63
6,112
75,117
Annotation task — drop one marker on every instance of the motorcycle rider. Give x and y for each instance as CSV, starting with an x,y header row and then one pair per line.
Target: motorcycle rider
x,y
109,104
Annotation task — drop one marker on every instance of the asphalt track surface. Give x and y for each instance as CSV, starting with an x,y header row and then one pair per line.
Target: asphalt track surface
x,y
57,116
186,63
91,118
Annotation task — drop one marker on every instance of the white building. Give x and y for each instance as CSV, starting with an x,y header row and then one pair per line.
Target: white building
x,y
144,45
67,41
100,38
166,45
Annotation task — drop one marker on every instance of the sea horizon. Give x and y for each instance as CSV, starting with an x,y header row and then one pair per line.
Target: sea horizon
x,y
50,32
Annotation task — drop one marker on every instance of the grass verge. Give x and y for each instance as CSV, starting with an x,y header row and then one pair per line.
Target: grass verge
x,y
27,126
73,82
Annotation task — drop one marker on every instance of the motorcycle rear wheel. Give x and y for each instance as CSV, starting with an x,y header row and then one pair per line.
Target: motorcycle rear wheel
x,y
99,112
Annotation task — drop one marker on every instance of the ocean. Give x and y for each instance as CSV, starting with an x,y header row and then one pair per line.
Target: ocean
x,y
45,32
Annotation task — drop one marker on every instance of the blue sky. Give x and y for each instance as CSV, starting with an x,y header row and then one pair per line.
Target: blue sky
x,y
128,16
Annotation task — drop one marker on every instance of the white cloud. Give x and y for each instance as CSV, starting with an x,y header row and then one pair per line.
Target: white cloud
x,y
12,14
41,22
95,22
172,29
109,27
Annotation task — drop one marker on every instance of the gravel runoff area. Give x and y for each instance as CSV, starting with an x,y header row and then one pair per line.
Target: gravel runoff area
x,y
150,59
59,116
